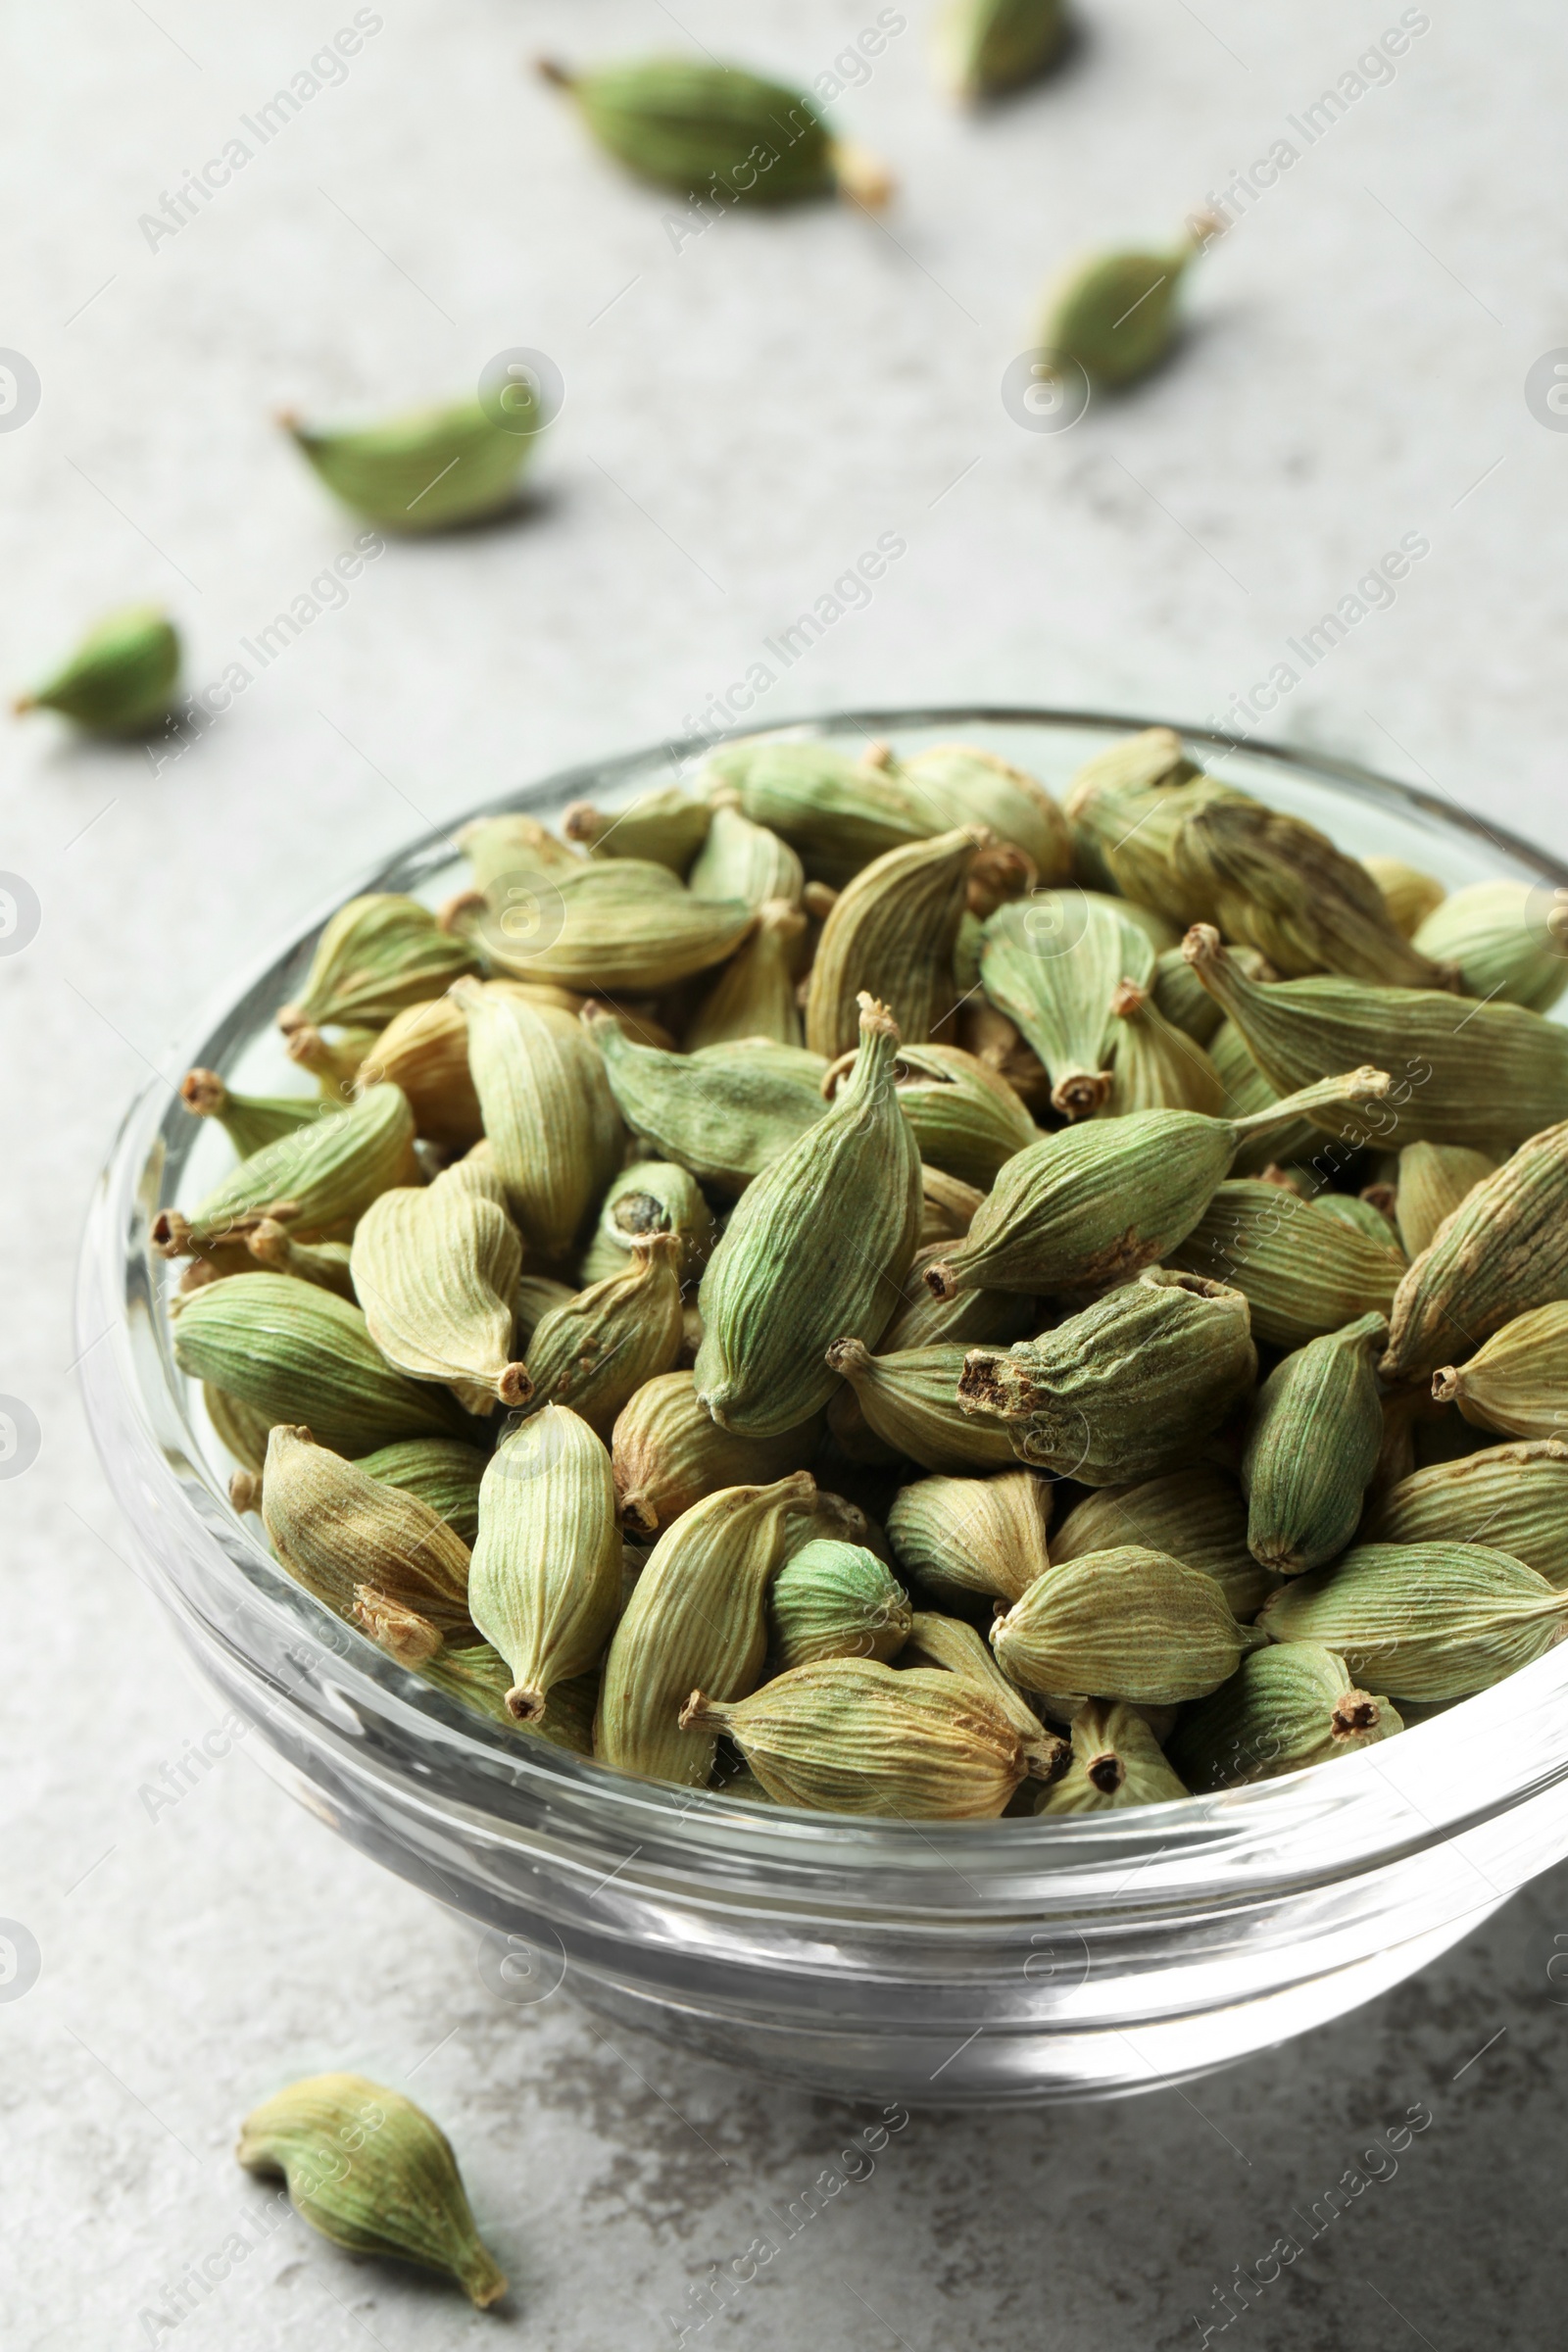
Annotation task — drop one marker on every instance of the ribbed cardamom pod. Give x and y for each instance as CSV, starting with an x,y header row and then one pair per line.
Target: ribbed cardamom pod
x,y
335,1061
753,995
833,1599
816,1250
424,1049
121,681
1053,965
537,1296
1129,1624
239,1426
697,1617
1313,1445
499,848
1508,940
372,2172
969,1319
1121,1392
910,1401
330,1264
1195,1515
1156,1066
1517,1382
725,1113
740,859
548,1115
339,1531
596,1352
1503,1250
849,1736
948,1206
440,1471
1092,1205
714,130
375,957
1362,1215
1423,1620
892,932
1151,761
1277,884
315,1181
986,47
1410,895
1247,1091
621,925
973,1534
1304,1271
953,784
1124,835
1434,1178
1486,1075
827,1517
1115,313
479,1678
953,1648
1187,1004
667,826
997,1043
249,1121
837,813
435,1269
544,1586
1116,1761
297,1353
669,1452
1286,1706
966,1119
1512,1498
651,1196
426,470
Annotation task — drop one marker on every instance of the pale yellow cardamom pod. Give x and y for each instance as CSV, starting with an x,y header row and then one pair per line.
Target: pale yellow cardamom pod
x,y
549,1117
436,1272
343,1534
669,1452
595,1352
544,1586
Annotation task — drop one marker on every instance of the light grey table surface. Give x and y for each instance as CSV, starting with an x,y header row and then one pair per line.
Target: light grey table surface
x,y
745,413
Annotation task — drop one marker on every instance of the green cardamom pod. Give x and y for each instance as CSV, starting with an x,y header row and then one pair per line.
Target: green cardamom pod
x,y
755,995
315,1180
506,846
297,1353
953,1648
341,1533
545,1587
1129,1624
1246,1091
121,681
478,1678
1053,964
911,1403
249,1121
955,784
1122,1391
595,1352
1185,1003
239,1426
440,1471
548,1115
967,1121
1303,1271
1313,1445
973,1534
1423,1621
1512,1498
1115,313
1503,1250
424,1049
668,826
892,933
372,2172
1434,1178
334,1062
1197,1516
838,813
725,1112
740,859
850,1736
427,469
377,955
1153,1066
1486,1075
696,1616
1286,1706
948,1206
1362,1215
792,1273
652,1195
330,1264
1508,940
1115,1761
833,1599
1148,762
969,1319
1517,1382
1410,895
986,47
435,1269
611,923
669,1452
537,1296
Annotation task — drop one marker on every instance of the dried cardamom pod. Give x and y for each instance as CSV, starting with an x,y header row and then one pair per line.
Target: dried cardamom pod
x,y
668,826
911,1403
1503,1250
1185,1003
1434,1178
240,1427
669,1452
375,957
330,1264
837,813
1508,940
249,1121
440,1471
892,932
1517,1382
1247,1091
1094,1203
1151,761
315,1181
1410,895
479,1678
428,468
790,1275
827,1517
1303,1271
121,681
297,1353
1486,1075
546,1583
953,1648
1286,1706
833,1599
1512,1498
973,1534
1116,1761
334,1062
621,925
338,1532
753,995
537,1296
1277,884
424,1049
1053,964
953,784
714,130
435,1269
596,1352
948,1207
1423,1620
1121,1392
652,1195
850,1736
969,1318
1115,313
997,1043
1124,832
372,2172
1153,1066
725,1113
986,47
507,847
1359,1214
1313,1445
548,1115
1129,1624
966,1119
1197,1516
740,859
698,1614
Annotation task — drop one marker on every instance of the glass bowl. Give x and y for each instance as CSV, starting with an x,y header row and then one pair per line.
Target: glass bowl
x,y
966,1963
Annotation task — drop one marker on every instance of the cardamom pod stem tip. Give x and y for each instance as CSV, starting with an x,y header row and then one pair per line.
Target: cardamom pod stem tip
x,y
204,1093
701,1714
551,70
848,1357
863,179
245,1491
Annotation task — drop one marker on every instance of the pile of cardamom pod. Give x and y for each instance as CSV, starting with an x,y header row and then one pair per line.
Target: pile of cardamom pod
x,y
853,1284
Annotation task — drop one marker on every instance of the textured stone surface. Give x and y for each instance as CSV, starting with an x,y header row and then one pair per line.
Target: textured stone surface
x,y
743,416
